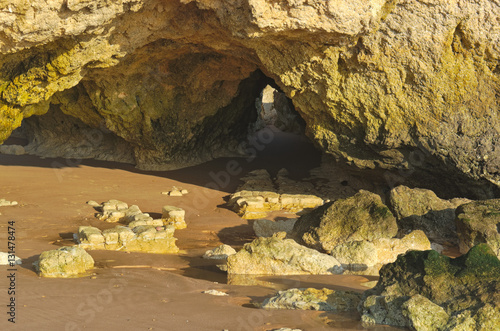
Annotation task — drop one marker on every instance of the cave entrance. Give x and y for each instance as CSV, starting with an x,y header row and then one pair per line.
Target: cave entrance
x,y
278,135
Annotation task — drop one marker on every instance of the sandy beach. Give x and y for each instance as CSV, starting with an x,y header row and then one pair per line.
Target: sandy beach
x,y
138,291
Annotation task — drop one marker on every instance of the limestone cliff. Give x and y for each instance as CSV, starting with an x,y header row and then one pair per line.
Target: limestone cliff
x,y
390,84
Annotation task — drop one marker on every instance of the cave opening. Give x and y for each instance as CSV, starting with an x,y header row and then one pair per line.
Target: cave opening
x,y
278,136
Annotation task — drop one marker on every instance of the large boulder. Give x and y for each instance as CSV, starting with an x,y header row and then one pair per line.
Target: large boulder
x,y
266,228
64,262
421,209
479,222
429,291
279,256
313,299
360,217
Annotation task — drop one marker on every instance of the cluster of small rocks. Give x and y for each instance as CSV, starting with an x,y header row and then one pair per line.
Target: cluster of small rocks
x,y
176,192
260,195
139,232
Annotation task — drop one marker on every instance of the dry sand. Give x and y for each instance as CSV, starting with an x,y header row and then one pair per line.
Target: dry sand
x,y
137,291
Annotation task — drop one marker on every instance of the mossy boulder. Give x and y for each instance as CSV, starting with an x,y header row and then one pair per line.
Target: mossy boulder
x,y
427,285
64,262
479,222
360,217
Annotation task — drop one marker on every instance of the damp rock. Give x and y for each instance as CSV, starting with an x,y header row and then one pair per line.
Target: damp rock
x,y
360,217
219,253
12,150
279,256
421,209
428,291
9,259
266,228
64,262
314,299
479,222
172,215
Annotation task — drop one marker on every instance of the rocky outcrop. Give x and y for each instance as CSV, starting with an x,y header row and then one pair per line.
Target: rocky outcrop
x,y
64,262
260,195
479,222
140,238
360,217
279,256
429,291
313,299
421,209
395,85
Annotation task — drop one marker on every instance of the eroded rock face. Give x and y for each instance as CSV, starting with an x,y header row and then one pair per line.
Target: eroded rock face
x,y
428,291
379,84
360,217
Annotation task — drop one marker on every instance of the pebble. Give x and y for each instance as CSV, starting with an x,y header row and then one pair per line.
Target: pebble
x,y
93,203
4,203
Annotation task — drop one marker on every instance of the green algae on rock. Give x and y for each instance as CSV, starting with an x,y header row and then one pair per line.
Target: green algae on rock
x,y
448,292
361,217
64,262
479,222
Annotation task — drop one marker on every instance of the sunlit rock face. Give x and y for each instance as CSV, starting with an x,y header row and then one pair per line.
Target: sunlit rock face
x,y
380,84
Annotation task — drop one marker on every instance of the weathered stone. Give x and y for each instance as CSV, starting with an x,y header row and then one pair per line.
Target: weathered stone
x,y
94,203
423,314
9,259
142,238
266,228
313,299
459,288
358,255
371,90
12,149
279,256
219,253
257,196
174,216
420,209
479,222
175,193
361,217
64,262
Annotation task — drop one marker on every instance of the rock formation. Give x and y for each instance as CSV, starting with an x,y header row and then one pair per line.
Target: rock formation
x,y
420,209
406,85
479,222
429,291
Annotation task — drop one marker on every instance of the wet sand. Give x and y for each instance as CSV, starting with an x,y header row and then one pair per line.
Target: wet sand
x,y
137,291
